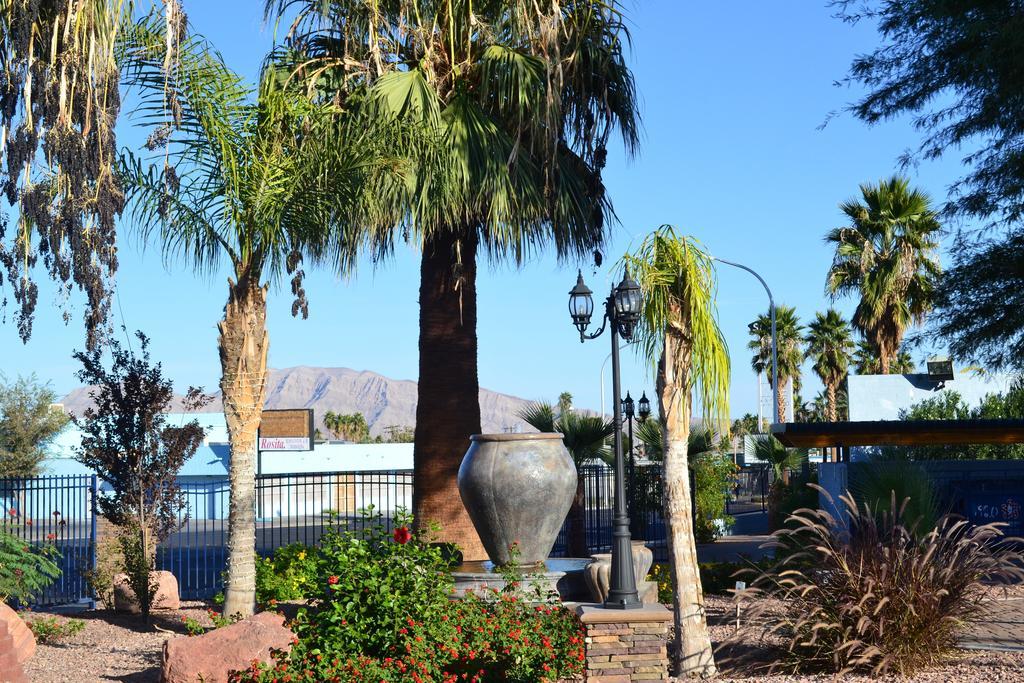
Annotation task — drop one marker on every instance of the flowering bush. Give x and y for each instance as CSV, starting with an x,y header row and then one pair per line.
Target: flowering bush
x,y
291,574
384,613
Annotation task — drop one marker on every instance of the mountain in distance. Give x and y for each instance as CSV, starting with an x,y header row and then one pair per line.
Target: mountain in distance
x,y
383,401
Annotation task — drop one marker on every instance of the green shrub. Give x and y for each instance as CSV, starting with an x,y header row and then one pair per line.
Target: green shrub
x,y
885,484
785,499
291,574
25,569
875,598
384,613
715,577
713,472
193,627
49,630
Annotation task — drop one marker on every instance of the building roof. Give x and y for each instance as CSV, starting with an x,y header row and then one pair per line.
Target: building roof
x,y
899,433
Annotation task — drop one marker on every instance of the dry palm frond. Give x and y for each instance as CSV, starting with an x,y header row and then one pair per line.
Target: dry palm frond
x,y
59,102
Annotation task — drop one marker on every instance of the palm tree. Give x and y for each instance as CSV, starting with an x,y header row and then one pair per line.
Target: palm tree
x,y
349,427
789,336
770,450
516,101
247,179
830,345
888,257
701,440
866,360
680,336
584,437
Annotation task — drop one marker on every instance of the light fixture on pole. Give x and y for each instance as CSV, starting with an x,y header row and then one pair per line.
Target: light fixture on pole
x,y
622,311
775,345
645,407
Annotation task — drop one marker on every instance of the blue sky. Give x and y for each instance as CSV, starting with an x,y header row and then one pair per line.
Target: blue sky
x,y
733,98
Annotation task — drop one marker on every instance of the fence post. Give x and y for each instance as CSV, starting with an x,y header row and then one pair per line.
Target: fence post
x,y
93,540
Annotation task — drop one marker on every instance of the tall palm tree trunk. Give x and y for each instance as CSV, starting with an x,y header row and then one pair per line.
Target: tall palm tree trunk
x,y
780,398
831,403
578,522
691,650
448,393
243,343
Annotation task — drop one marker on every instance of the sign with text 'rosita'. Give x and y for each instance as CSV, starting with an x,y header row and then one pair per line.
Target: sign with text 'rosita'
x,y
286,430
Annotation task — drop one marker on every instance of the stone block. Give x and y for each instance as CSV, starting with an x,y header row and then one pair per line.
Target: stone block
x,y
211,656
166,596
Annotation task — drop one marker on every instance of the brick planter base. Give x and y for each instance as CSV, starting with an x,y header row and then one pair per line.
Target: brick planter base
x,y
626,645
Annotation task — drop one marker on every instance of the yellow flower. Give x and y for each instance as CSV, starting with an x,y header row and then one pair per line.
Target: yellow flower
x,y
302,555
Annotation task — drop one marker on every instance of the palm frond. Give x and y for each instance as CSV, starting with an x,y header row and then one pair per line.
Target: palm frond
x,y
679,288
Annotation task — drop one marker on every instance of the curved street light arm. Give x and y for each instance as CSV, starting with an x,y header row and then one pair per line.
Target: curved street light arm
x,y
775,353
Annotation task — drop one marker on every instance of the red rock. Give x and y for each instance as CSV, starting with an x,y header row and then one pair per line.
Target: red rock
x,y
166,593
15,647
211,656
23,640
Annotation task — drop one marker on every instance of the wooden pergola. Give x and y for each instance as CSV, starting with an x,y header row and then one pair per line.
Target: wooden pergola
x,y
898,433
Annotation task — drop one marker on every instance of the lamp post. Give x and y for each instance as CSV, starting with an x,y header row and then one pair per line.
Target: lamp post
x,y
775,354
628,409
622,311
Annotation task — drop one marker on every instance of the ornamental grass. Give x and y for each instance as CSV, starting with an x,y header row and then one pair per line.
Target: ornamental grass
x,y
868,594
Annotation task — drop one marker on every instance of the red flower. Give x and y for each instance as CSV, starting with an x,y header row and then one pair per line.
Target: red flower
x,y
402,535
332,580
14,513
51,536
28,522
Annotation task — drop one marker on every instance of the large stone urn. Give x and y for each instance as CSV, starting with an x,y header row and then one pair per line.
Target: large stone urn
x,y
598,573
517,488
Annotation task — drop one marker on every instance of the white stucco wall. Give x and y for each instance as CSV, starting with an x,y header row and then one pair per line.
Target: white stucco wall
x,y
882,397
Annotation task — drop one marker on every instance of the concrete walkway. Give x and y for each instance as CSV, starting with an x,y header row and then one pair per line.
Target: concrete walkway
x,y
733,549
1002,629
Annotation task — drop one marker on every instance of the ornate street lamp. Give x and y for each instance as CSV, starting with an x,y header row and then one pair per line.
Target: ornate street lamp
x,y
645,407
622,311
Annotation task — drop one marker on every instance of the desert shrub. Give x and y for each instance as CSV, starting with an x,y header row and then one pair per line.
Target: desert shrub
x,y
383,612
870,596
49,630
291,574
25,569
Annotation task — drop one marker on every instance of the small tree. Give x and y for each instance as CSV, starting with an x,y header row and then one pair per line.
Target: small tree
x,y
680,337
28,424
127,441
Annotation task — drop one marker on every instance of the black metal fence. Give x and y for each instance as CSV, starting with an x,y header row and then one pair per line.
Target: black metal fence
x,y
749,490
290,508
299,508
56,512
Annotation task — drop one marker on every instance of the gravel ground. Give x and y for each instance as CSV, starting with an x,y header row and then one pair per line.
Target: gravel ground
x,y
965,666
116,647
112,647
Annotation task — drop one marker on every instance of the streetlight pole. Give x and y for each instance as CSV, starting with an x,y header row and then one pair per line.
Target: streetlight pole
x,y
775,353
627,409
622,313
